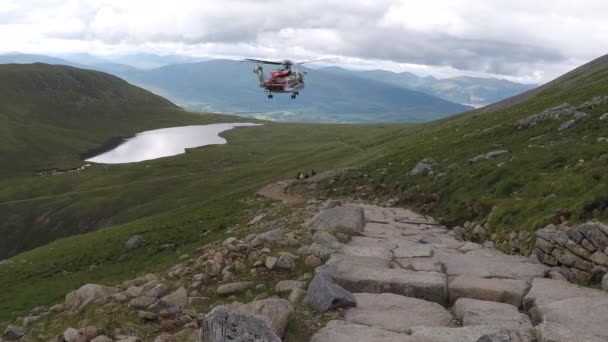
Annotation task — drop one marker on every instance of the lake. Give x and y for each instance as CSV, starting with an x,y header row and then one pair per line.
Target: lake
x,y
166,142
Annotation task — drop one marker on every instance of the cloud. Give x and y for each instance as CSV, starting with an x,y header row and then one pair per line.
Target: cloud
x,y
520,39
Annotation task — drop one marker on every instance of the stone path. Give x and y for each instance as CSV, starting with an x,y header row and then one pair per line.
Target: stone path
x,y
413,280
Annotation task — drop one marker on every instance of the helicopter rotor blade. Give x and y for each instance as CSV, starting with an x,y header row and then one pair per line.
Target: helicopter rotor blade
x,y
262,61
316,60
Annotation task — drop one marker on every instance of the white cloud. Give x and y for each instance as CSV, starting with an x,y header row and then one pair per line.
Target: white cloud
x,y
523,40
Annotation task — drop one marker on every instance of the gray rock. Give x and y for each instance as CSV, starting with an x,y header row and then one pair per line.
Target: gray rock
x,y
509,291
178,298
587,315
547,291
324,294
396,313
134,242
566,125
87,294
275,311
147,315
474,312
605,282
272,235
497,266
374,275
225,324
286,262
348,220
232,288
464,334
424,167
604,116
13,333
286,286
324,237
580,115
593,232
141,302
553,332
157,291
101,338
271,262
341,331
488,155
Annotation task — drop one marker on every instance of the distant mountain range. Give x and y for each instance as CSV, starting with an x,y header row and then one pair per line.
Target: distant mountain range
x,y
332,94
473,91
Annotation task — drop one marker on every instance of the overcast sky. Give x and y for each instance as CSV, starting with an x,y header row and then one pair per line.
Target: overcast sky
x,y
528,41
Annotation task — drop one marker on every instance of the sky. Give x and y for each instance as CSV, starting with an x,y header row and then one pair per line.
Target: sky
x,y
525,41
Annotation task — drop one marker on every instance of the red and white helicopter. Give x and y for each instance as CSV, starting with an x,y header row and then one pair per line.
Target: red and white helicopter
x,y
284,80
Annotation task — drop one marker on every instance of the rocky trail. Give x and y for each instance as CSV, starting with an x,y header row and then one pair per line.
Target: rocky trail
x,y
333,271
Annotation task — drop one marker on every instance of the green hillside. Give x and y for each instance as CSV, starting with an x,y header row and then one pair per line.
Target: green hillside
x,y
187,200
50,114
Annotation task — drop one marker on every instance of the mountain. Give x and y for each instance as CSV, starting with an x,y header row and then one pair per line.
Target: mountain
x,y
51,113
22,58
473,91
230,86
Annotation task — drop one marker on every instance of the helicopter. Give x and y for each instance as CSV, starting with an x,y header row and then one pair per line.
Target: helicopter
x,y
284,80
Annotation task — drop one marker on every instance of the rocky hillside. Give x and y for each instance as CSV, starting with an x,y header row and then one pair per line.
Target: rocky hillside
x,y
332,271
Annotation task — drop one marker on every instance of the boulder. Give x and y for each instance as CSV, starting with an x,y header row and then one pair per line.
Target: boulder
x,y
341,331
566,125
473,312
553,332
324,237
287,286
492,266
225,324
275,311
72,335
396,313
13,333
324,294
312,261
134,242
546,291
147,315
271,235
157,291
374,275
141,302
509,291
271,262
348,220
464,334
233,288
587,315
286,262
87,294
424,167
178,298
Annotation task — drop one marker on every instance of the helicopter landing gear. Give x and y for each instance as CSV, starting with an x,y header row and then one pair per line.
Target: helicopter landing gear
x,y
270,96
294,95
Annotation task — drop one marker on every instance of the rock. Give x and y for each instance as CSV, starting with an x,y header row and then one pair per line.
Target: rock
x,y
101,338
89,332
586,315
13,333
286,262
286,286
509,291
324,237
29,320
296,296
547,291
605,282
604,116
87,294
424,167
225,324
275,311
489,155
147,315
566,125
233,288
240,266
474,312
408,249
498,266
271,235
134,242
72,335
324,294
348,220
396,313
141,302
553,332
464,334
341,331
580,115
178,298
271,262
312,261
374,275
157,291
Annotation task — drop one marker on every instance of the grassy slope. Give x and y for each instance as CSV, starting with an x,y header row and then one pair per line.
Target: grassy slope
x,y
538,178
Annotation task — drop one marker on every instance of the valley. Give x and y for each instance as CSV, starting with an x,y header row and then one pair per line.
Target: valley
x,y
482,166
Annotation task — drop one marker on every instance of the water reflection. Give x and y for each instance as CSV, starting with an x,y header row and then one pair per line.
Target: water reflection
x,y
165,142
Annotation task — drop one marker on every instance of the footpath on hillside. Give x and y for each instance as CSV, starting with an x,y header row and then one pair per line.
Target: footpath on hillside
x,y
332,271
